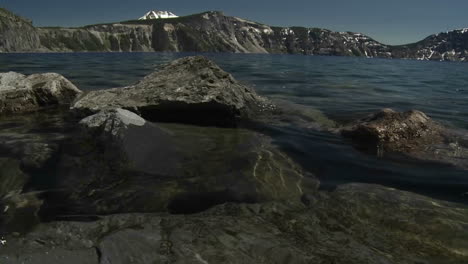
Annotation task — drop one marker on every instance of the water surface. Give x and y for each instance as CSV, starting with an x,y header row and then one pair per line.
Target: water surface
x,y
342,88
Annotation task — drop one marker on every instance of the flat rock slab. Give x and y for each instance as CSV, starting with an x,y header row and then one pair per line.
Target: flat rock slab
x,y
190,90
357,223
20,93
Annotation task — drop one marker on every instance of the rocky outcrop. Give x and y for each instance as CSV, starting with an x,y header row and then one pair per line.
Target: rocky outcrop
x,y
189,90
216,32
107,38
357,223
445,46
20,93
412,133
17,34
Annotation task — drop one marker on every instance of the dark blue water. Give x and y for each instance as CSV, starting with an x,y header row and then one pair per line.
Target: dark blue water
x,y
342,88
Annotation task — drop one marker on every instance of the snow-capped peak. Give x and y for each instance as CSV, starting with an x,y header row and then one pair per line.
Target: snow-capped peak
x,y
155,14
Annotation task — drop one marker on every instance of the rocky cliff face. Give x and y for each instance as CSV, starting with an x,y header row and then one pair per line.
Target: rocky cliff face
x,y
17,34
450,46
215,32
116,37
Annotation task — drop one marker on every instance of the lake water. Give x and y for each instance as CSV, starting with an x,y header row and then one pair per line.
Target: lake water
x,y
342,88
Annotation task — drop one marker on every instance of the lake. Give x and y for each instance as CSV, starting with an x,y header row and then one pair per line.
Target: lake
x,y
340,88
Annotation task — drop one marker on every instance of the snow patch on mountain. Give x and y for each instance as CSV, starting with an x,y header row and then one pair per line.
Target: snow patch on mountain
x,y
155,14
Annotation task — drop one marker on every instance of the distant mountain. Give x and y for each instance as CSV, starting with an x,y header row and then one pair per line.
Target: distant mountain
x,y
216,32
154,14
450,45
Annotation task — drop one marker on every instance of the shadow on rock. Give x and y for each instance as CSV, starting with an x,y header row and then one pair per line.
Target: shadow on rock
x,y
119,162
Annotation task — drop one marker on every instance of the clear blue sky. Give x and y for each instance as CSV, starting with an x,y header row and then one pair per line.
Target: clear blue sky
x,y
389,21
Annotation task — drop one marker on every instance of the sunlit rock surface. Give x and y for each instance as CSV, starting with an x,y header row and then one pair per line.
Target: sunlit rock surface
x,y
20,93
188,90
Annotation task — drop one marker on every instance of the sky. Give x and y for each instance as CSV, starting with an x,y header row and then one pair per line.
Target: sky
x,y
390,21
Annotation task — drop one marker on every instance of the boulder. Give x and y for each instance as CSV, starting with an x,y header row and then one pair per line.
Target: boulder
x,y
189,90
395,131
20,93
412,134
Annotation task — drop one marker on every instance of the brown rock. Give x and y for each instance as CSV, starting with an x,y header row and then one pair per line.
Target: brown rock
x,y
395,131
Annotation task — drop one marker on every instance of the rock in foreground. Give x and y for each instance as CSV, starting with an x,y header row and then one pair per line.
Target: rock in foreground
x,y
121,163
189,90
357,223
20,93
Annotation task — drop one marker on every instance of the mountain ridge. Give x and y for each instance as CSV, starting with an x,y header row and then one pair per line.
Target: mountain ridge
x,y
213,31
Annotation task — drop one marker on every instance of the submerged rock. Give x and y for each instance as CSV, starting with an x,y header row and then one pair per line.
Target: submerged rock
x,y
121,163
12,178
18,210
20,93
189,90
33,138
357,223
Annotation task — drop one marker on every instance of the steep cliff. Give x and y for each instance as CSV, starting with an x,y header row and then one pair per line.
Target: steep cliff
x,y
16,33
216,32
213,31
115,37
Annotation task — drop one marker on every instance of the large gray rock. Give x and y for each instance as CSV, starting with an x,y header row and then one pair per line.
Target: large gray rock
x,y
357,223
188,90
20,93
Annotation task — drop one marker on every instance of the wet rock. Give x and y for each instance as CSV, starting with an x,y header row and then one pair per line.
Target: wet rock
x,y
12,179
395,131
33,138
411,133
189,90
18,210
119,162
288,114
37,154
20,93
357,223
19,213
